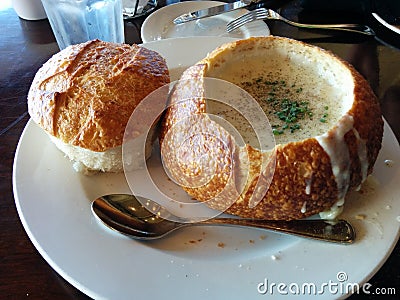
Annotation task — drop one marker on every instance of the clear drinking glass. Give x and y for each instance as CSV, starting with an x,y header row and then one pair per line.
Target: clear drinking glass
x,y
77,21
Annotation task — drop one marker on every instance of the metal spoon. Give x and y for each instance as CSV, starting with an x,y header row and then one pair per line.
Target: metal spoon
x,y
125,214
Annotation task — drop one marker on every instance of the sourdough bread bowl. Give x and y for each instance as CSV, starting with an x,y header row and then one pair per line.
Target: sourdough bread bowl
x,y
84,95
325,146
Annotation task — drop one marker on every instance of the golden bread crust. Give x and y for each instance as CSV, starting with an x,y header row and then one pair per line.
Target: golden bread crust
x,y
304,181
85,94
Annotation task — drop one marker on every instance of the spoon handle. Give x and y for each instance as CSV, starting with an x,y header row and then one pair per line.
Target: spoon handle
x,y
338,231
131,218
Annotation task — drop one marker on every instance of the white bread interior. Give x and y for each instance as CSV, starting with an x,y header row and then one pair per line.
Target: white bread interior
x,y
89,162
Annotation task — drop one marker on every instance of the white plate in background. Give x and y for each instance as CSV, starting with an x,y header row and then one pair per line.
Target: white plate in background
x,y
53,203
159,25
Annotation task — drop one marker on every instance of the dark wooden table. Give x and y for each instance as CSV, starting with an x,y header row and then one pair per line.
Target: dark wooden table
x,y
26,45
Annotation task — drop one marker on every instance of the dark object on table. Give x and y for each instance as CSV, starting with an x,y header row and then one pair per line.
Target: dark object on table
x,y
381,15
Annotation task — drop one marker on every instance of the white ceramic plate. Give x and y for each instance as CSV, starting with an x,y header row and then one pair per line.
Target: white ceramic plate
x,y
159,25
53,203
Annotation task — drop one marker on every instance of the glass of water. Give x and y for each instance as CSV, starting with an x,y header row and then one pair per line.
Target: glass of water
x,y
78,21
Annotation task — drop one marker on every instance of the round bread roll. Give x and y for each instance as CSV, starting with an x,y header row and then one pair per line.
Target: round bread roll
x,y
324,148
84,95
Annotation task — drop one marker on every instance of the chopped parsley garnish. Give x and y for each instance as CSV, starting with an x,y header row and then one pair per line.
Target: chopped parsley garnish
x,y
324,116
279,95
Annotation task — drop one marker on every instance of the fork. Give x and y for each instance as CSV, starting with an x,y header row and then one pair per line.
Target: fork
x,y
269,14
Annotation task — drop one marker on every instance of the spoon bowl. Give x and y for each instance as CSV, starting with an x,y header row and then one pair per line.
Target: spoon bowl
x,y
147,220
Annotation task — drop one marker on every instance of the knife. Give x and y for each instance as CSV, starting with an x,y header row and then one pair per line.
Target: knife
x,y
216,10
